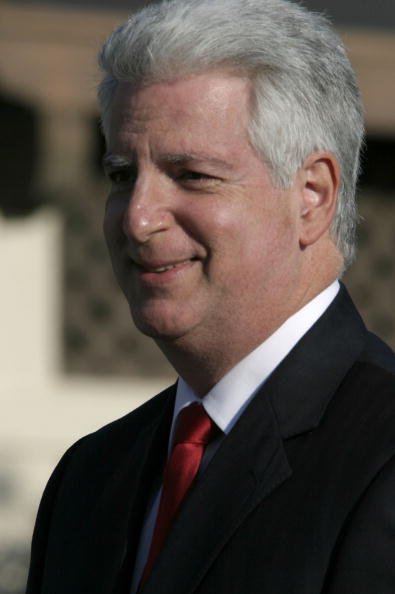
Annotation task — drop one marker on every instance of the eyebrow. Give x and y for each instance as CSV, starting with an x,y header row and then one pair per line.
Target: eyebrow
x,y
183,159
180,159
110,160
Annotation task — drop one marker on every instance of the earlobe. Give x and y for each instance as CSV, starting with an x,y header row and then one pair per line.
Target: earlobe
x,y
320,185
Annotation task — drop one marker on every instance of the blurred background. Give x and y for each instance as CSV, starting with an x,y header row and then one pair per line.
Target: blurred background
x,y
70,360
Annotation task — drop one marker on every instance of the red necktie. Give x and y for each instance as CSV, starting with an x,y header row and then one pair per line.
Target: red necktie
x,y
194,430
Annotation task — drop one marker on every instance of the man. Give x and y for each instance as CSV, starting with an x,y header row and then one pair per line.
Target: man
x,y
233,131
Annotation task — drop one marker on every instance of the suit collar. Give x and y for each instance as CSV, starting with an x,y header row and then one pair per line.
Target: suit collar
x,y
302,385
227,400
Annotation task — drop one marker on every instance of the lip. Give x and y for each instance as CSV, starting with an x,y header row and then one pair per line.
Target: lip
x,y
161,272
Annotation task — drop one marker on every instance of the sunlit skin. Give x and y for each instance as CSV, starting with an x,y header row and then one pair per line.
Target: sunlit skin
x,y
211,257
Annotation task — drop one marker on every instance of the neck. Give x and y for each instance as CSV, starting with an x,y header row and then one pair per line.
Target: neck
x,y
203,361
202,368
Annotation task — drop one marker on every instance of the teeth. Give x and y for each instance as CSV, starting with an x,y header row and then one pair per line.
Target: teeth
x,y
164,268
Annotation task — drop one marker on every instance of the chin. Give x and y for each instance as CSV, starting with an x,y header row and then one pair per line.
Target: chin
x,y
159,327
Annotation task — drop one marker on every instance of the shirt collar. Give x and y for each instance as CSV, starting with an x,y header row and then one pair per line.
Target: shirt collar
x,y
226,401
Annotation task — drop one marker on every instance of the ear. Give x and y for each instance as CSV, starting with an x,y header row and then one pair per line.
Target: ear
x,y
320,180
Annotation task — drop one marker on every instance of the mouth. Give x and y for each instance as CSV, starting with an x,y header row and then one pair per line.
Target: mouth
x,y
160,268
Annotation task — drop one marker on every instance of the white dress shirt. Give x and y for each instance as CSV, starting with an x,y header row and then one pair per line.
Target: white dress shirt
x,y
227,400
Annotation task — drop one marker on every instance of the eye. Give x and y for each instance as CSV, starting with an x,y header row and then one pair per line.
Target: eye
x,y
121,176
193,176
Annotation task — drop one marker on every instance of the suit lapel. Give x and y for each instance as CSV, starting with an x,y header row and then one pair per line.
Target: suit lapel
x,y
147,485
249,464
114,524
302,386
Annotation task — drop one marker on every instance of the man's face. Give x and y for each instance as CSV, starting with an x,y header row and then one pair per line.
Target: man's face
x,y
203,246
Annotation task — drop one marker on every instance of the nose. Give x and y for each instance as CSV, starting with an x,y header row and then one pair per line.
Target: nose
x,y
148,211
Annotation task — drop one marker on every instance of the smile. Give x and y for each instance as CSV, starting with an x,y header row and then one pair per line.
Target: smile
x,y
167,266
161,268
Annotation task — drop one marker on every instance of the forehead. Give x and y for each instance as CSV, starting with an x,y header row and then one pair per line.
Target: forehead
x,y
202,108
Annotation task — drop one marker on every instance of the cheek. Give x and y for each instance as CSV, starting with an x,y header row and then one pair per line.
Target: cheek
x,y
267,238
209,222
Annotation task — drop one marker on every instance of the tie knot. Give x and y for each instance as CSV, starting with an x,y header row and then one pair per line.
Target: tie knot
x,y
194,425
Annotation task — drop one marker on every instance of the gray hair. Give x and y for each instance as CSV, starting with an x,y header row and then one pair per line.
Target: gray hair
x,y
305,96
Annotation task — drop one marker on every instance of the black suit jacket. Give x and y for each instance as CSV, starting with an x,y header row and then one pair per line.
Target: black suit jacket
x,y
299,499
